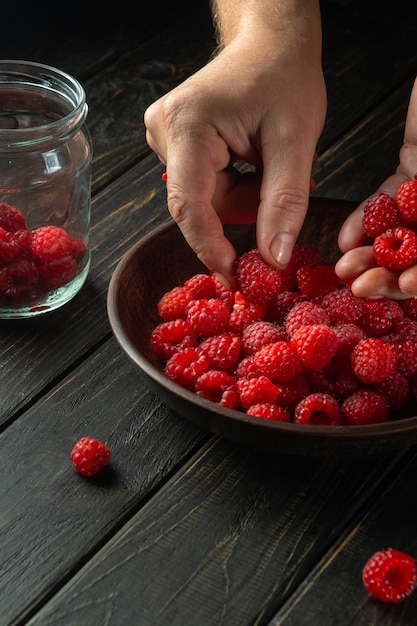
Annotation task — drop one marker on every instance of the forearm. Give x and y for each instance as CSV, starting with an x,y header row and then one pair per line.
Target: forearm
x,y
292,21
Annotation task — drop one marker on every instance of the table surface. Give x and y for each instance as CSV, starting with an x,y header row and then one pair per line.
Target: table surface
x,y
186,528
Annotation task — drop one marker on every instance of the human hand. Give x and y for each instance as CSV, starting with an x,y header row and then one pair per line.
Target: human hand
x,y
262,99
357,265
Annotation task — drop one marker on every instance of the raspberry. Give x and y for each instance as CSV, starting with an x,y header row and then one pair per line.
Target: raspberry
x,y
291,392
302,254
343,306
390,575
247,368
395,389
316,345
271,412
50,243
279,361
343,381
208,317
364,406
406,357
223,350
217,386
257,281
410,307
304,313
407,200
9,247
78,249
315,282
11,219
377,317
201,286
279,306
256,390
348,335
58,272
19,278
170,337
396,249
373,360
89,455
259,334
173,304
186,366
380,214
240,318
318,409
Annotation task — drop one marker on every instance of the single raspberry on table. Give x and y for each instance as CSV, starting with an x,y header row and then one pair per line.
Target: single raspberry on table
x,y
219,387
396,248
279,361
208,316
89,455
316,345
318,409
272,412
373,360
380,213
50,243
11,219
257,281
364,406
390,575
407,200
171,337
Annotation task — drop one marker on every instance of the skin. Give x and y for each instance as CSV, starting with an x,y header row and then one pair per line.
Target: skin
x,y
357,262
262,99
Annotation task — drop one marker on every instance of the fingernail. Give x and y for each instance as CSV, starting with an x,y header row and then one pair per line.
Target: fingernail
x,y
281,248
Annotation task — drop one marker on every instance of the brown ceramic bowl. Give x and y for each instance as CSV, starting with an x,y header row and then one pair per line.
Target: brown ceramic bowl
x,y
162,260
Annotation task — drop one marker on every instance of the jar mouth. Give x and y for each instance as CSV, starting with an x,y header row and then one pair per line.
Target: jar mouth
x,y
38,102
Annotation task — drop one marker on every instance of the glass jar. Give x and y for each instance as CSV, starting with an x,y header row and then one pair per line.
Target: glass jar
x,y
45,188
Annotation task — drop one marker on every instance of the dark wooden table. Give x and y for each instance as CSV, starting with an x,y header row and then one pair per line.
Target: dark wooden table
x,y
185,528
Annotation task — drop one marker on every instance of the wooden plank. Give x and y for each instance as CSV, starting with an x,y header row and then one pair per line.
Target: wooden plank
x,y
226,541
334,594
52,519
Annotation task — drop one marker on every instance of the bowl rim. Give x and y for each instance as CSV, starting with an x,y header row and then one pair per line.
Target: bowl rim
x,y
340,432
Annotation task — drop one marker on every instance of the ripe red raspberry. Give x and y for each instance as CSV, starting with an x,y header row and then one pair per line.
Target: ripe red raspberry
x,y
304,313
19,278
348,335
291,392
407,200
171,337
410,308
89,455
396,390
259,334
364,406
58,272
219,387
342,379
396,249
223,350
380,213
50,243
279,307
279,361
208,317
11,219
373,360
247,368
186,366
201,286
318,409
302,254
406,356
240,318
315,282
390,575
173,304
343,306
271,412
256,390
377,317
9,247
316,345
257,281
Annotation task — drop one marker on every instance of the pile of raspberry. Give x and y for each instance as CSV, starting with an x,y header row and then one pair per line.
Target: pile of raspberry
x,y
34,262
294,345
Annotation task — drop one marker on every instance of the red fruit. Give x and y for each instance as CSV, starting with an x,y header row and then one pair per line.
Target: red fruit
x,y
247,368
279,361
396,249
304,313
58,272
364,406
271,412
257,281
407,200
208,317
89,455
377,317
9,247
11,219
348,335
380,213
318,409
291,392
173,304
186,366
316,345
171,337
343,306
50,243
201,286
223,350
373,360
217,386
396,390
315,282
257,390
390,575
259,334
